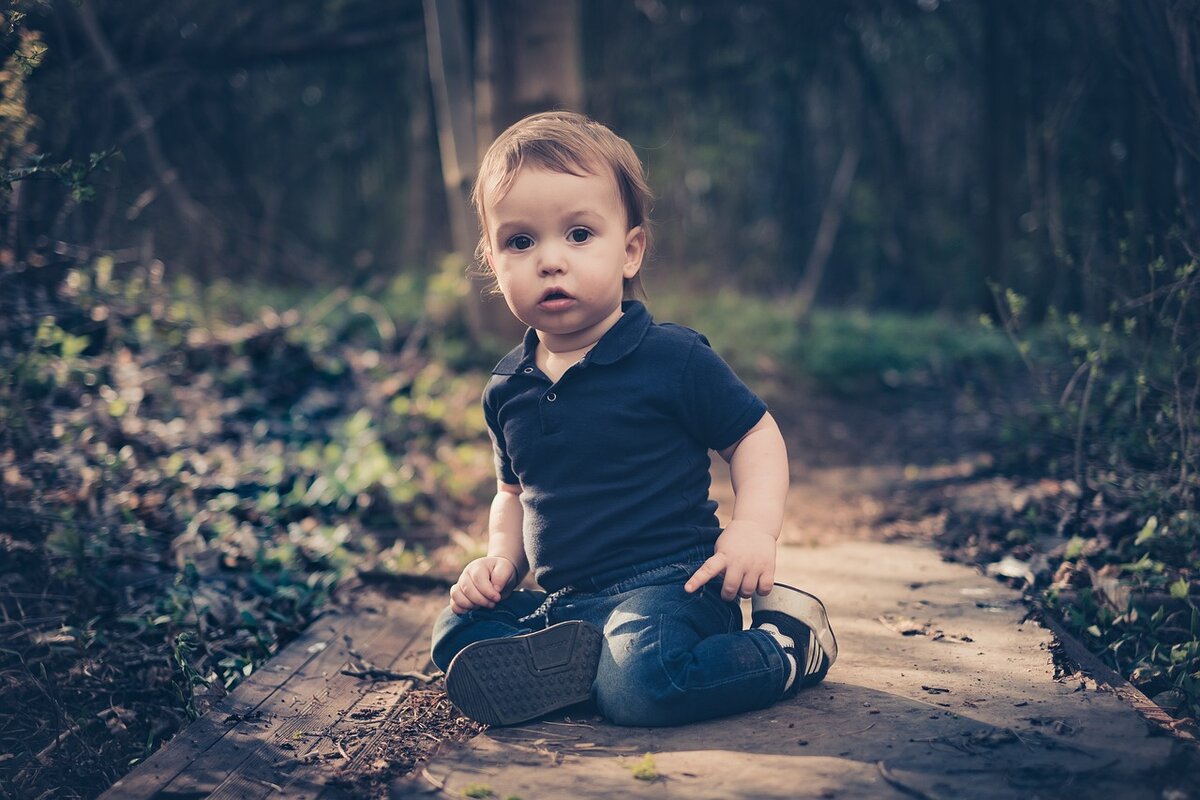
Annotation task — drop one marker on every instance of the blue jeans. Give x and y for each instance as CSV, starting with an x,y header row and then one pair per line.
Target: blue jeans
x,y
668,658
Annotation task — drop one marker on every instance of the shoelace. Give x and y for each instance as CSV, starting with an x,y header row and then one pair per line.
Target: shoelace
x,y
544,609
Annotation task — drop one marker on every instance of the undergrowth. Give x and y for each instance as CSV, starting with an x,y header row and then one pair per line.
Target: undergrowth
x,y
185,479
840,351
1114,420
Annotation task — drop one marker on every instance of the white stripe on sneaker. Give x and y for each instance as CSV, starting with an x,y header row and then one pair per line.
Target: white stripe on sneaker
x,y
814,655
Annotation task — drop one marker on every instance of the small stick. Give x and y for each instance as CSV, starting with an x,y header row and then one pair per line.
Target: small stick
x,y
433,781
50,748
895,782
268,784
376,673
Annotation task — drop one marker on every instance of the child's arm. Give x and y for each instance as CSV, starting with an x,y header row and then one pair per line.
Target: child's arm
x,y
486,581
745,551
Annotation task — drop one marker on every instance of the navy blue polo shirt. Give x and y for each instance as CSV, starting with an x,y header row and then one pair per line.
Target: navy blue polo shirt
x,y
613,459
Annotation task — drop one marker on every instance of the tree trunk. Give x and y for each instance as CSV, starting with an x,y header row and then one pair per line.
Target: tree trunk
x,y
994,259
450,72
526,59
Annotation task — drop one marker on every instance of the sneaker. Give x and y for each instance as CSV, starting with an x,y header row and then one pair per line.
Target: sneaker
x,y
788,613
517,678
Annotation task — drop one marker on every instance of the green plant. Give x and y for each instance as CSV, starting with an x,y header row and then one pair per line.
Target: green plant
x,y
1115,412
207,481
645,769
838,350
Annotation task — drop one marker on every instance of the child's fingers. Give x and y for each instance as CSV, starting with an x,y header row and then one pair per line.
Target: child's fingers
x,y
471,591
710,569
732,586
459,603
480,578
503,576
766,582
483,585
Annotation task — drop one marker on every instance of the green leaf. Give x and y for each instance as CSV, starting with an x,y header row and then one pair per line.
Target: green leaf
x,y
1143,564
1147,532
1074,548
1179,589
645,770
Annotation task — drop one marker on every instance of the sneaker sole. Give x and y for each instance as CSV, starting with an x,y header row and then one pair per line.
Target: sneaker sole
x,y
519,678
807,608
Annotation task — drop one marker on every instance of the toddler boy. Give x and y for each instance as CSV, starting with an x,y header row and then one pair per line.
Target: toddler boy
x,y
602,421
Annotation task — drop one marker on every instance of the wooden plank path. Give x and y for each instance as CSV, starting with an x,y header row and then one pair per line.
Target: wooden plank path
x,y
284,729
967,706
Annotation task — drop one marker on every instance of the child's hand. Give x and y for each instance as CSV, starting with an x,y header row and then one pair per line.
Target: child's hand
x,y
745,553
483,583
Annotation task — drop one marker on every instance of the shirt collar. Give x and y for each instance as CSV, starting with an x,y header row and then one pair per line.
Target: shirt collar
x,y
617,342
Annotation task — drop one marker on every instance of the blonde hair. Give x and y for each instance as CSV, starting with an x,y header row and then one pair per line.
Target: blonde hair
x,y
566,142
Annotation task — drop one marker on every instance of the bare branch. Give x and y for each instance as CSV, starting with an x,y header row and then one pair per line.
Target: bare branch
x,y
192,213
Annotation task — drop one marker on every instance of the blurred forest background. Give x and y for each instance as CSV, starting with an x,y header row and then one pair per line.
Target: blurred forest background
x,y
240,359
1043,146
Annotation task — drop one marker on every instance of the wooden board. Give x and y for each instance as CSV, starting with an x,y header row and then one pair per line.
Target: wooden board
x,y
1090,664
297,721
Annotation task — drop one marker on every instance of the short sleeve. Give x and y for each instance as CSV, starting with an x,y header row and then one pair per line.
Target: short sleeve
x,y
715,406
504,467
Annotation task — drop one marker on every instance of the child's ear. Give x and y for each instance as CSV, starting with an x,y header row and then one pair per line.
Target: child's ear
x,y
635,251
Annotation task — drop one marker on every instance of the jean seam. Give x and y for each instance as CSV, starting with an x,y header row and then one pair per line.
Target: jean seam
x,y
671,678
661,629
634,582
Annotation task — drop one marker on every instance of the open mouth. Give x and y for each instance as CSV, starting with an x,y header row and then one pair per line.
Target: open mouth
x,y
556,300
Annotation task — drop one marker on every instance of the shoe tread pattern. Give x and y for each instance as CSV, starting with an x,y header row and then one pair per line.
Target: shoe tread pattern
x,y
506,681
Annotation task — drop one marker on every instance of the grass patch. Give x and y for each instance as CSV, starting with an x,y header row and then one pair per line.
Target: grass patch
x,y
840,350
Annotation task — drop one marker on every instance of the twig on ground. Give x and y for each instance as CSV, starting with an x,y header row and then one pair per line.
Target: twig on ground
x,y
434,782
50,748
273,786
896,783
380,674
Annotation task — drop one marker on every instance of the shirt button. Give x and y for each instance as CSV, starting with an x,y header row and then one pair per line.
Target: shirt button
x,y
552,397
528,370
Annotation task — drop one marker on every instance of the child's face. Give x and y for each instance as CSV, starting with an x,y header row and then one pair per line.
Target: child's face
x,y
560,248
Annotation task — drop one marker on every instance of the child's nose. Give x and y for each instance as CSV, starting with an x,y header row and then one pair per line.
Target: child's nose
x,y
552,261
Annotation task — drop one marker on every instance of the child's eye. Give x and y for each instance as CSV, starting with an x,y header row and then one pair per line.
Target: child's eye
x,y
579,235
520,242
